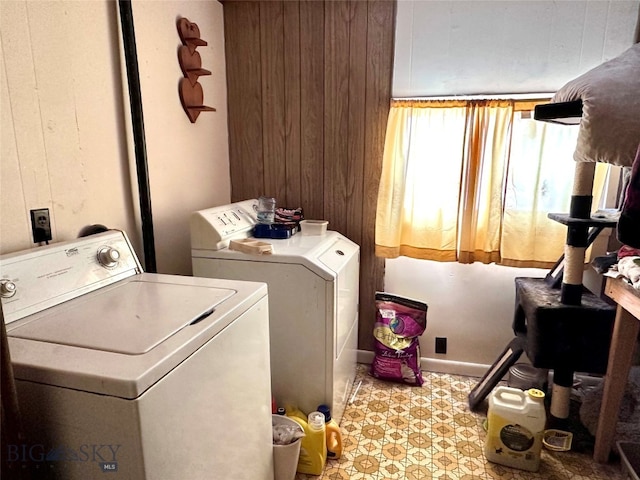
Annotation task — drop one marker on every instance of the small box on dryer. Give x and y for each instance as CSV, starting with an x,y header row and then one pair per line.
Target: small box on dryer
x,y
313,227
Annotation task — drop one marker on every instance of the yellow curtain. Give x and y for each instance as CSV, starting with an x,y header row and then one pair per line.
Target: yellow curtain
x,y
420,184
485,162
540,180
458,185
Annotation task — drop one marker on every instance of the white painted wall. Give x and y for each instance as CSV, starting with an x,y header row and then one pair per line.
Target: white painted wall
x,y
446,47
188,162
65,138
492,47
471,304
63,134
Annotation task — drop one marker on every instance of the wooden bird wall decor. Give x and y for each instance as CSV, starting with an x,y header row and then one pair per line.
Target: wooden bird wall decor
x,y
191,94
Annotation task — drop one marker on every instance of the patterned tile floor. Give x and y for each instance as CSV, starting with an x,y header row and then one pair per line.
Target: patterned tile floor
x,y
394,431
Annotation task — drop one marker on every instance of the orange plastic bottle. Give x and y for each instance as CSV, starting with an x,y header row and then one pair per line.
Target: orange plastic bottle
x,y
334,437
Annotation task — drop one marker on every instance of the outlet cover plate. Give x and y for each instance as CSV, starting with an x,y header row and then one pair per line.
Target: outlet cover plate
x,y
441,344
41,225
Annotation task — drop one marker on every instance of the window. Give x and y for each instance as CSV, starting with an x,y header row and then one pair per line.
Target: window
x,y
473,180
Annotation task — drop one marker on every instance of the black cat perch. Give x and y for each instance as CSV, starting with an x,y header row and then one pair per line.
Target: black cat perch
x,y
558,323
564,113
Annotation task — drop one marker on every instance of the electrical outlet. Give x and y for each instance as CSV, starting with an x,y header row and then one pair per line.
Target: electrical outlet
x,y
41,225
441,344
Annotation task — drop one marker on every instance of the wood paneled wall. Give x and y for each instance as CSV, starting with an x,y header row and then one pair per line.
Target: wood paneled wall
x,y
309,87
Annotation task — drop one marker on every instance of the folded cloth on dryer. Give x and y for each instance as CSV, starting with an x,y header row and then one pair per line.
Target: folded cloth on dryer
x,y
255,247
286,215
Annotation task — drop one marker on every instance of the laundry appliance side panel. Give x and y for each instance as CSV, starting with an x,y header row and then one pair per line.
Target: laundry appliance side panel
x,y
301,326
211,416
344,257
78,431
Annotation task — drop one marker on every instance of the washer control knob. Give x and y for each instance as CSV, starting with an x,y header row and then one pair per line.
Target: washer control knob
x,y
7,288
108,257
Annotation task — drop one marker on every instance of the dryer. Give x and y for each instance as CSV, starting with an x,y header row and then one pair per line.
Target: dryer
x,y
142,376
313,284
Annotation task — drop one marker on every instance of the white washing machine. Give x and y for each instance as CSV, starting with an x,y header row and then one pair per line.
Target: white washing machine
x,y
313,301
141,376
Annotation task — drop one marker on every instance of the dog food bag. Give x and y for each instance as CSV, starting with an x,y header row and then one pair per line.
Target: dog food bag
x,y
399,324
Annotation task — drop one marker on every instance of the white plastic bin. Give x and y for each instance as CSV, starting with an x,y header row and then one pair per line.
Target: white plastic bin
x,y
516,421
285,457
313,227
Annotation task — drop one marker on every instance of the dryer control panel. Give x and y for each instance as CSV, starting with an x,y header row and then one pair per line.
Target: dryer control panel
x,y
214,228
36,279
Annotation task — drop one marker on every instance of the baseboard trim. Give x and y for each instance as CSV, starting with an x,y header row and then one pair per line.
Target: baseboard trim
x,y
451,367
478,370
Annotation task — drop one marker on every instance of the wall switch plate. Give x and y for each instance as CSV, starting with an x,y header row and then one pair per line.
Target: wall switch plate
x,y
441,344
41,225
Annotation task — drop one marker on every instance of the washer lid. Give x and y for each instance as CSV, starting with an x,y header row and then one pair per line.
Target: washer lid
x,y
130,318
132,322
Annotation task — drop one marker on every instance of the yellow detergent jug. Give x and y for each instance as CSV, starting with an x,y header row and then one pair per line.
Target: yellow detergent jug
x,y
293,411
334,436
313,451
515,426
